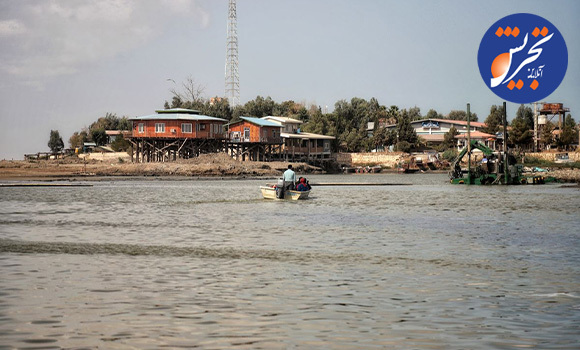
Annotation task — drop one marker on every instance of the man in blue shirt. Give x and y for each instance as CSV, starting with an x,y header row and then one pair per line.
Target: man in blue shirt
x,y
289,178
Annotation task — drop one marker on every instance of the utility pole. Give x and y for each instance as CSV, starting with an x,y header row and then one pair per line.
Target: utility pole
x,y
505,147
536,127
468,145
232,74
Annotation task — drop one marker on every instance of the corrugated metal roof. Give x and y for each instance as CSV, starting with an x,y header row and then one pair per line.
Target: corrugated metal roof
x,y
475,135
306,135
283,120
449,121
175,115
260,122
177,110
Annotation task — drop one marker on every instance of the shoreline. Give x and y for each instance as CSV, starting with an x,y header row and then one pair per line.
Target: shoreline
x,y
209,167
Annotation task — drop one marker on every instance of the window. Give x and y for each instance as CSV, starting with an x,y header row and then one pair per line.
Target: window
x,y
159,127
141,128
186,128
201,126
246,134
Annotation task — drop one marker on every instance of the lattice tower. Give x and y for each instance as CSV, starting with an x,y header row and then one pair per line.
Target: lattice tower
x,y
232,74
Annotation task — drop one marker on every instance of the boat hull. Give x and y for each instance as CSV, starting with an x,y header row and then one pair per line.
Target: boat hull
x,y
270,193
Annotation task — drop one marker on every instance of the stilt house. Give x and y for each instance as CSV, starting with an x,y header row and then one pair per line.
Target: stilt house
x,y
175,133
254,139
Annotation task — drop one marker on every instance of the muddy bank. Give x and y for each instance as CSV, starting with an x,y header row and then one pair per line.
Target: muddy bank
x,y
210,165
565,175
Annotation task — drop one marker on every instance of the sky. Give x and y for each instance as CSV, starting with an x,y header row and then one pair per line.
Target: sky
x,y
65,63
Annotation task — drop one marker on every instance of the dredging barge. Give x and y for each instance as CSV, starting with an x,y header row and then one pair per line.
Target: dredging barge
x,y
495,168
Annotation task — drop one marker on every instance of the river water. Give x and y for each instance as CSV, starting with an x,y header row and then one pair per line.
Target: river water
x,y
135,264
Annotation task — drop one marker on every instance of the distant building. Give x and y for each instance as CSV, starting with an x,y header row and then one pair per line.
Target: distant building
x,y
112,135
299,145
433,130
249,129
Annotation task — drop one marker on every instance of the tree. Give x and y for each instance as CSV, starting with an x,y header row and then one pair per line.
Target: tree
x,y
55,142
432,114
192,92
111,122
78,139
99,136
461,115
260,107
520,134
220,108
449,141
124,124
319,123
406,132
120,144
392,115
494,120
384,137
526,114
353,141
415,113
569,134
546,136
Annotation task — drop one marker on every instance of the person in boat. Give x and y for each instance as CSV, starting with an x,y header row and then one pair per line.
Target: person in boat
x,y
289,178
303,185
484,165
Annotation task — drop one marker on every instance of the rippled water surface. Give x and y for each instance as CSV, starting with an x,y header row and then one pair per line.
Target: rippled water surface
x,y
419,264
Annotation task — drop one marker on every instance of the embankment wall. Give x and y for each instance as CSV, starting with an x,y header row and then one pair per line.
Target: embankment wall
x,y
384,159
551,156
106,156
391,159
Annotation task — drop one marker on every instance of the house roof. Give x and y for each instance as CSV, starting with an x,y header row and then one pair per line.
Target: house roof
x,y
260,122
306,135
450,121
117,132
283,120
178,114
177,110
475,135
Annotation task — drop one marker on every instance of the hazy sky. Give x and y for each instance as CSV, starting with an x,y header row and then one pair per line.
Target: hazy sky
x,y
65,63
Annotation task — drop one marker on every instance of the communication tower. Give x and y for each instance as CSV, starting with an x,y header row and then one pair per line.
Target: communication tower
x,y
232,74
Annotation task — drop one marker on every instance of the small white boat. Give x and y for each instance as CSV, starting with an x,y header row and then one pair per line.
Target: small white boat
x,y
270,193
562,158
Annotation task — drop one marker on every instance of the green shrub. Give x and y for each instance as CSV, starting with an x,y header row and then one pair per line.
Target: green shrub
x,y
403,146
539,162
449,154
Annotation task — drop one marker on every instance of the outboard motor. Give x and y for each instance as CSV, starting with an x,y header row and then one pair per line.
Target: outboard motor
x,y
280,188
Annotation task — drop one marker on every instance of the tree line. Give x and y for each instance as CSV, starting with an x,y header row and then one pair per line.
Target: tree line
x,y
348,123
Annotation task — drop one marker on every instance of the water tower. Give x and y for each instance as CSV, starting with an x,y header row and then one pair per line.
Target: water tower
x,y
547,113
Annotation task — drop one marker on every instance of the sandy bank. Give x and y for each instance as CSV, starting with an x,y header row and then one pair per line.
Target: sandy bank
x,y
210,165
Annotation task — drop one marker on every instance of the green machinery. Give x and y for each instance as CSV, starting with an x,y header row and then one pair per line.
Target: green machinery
x,y
495,167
